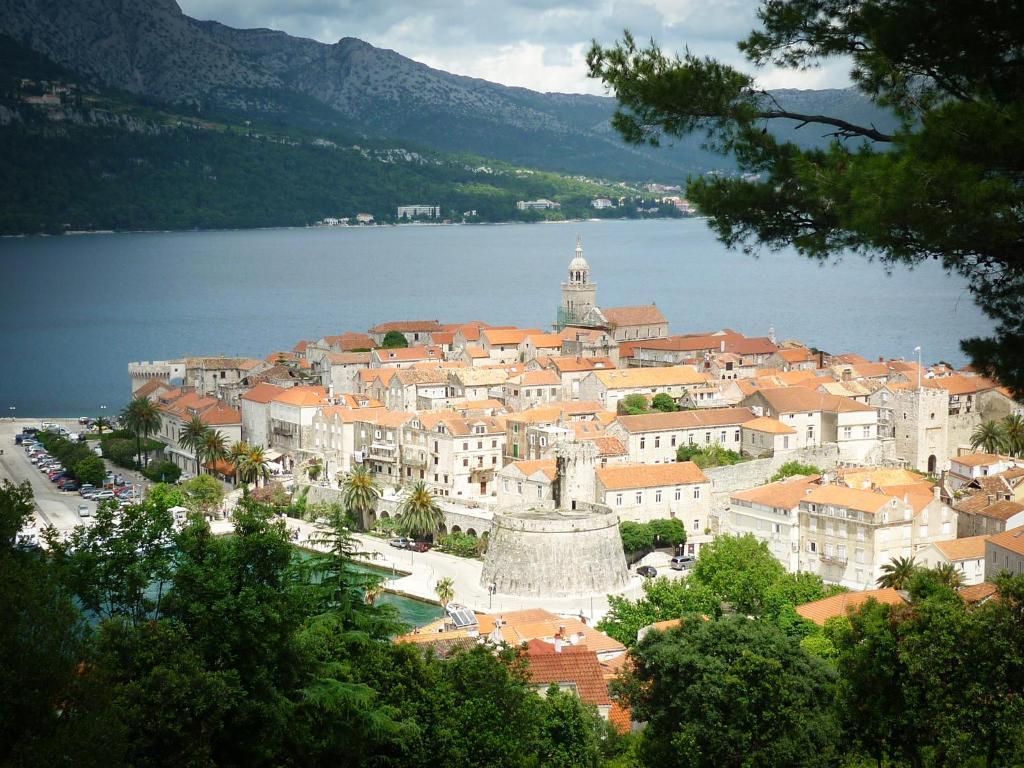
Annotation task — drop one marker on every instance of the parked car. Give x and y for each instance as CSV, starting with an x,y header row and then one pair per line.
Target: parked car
x,y
647,571
83,419
72,486
683,562
84,510
100,495
87,488
400,542
61,482
418,546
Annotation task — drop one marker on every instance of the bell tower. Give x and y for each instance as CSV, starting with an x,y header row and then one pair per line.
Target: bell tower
x,y
579,295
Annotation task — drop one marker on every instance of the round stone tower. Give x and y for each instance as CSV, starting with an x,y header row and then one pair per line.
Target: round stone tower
x,y
570,551
556,552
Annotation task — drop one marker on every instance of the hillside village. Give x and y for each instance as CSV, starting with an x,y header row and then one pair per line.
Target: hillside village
x,y
476,412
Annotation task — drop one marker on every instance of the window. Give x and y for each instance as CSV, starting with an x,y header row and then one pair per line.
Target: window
x,y
657,441
639,497
814,524
618,499
657,496
847,433
867,430
643,442
810,432
673,441
696,491
465,462
858,555
505,484
519,488
736,436
465,446
540,491
707,437
679,493
696,524
494,460
812,546
722,438
494,443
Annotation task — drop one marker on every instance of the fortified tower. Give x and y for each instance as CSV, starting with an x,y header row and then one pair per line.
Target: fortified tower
x,y
579,295
574,550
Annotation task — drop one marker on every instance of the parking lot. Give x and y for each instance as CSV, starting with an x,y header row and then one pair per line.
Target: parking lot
x,y
53,507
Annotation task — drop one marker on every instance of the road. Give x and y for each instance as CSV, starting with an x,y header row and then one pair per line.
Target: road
x,y
53,507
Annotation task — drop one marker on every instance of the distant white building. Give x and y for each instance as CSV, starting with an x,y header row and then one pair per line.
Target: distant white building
x,y
413,211
364,218
541,204
601,203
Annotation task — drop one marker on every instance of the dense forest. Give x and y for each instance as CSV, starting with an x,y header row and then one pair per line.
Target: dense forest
x,y
133,643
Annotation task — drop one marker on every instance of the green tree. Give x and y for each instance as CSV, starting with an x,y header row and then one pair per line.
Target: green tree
x,y
359,494
91,469
949,575
708,689
102,423
445,590
203,493
713,455
142,419
313,470
989,437
896,574
950,74
663,599
252,466
419,513
668,532
1013,434
793,468
214,447
739,570
637,538
663,402
394,340
17,505
193,437
633,405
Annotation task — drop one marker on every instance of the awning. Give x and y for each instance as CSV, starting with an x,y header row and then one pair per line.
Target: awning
x,y
272,455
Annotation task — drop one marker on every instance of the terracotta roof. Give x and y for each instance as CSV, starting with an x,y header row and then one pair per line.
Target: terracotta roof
x,y
476,352
648,314
804,400
531,467
150,387
421,376
630,378
767,424
797,355
384,418
221,414
575,364
221,466
606,446
348,358
856,477
408,354
619,477
576,665
841,496
782,494
506,336
441,338
1012,540
979,459
663,626
988,505
959,384
970,548
821,611
300,346
705,417
408,326
545,340
535,378
978,593
302,396
481,376
346,342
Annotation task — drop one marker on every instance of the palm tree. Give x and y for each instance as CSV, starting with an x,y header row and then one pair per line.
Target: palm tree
x,y
193,437
253,465
1013,433
372,591
897,572
419,513
445,590
989,437
950,575
359,493
215,446
142,418
103,423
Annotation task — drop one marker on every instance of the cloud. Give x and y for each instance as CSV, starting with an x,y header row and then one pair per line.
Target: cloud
x,y
530,43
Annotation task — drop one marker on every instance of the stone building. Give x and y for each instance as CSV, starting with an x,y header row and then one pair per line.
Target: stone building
x,y
1004,553
455,456
654,438
771,513
644,492
526,484
967,555
610,387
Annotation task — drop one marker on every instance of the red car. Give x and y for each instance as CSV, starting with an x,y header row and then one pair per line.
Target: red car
x,y
419,546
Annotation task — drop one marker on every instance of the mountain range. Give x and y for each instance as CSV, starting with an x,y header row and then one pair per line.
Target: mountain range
x,y
151,50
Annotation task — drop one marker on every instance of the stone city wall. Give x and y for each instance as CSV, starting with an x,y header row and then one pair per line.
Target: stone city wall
x,y
748,474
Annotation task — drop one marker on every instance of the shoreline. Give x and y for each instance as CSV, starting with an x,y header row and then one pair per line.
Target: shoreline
x,y
285,227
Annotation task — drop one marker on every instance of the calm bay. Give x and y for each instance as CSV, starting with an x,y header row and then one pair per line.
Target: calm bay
x,y
77,309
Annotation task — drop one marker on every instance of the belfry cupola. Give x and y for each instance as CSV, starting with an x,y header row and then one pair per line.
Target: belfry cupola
x,y
579,295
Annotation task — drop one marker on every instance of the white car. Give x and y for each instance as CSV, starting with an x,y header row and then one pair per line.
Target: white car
x,y
84,510
100,495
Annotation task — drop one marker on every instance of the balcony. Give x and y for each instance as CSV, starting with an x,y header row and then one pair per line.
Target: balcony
x,y
840,560
381,452
414,457
481,475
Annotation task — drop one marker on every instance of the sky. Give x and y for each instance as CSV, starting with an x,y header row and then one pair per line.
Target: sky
x,y
529,43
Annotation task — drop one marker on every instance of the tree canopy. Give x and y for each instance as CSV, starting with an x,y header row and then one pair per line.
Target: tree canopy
x,y
946,184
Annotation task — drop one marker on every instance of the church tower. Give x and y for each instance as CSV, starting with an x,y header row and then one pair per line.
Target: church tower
x,y
579,295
